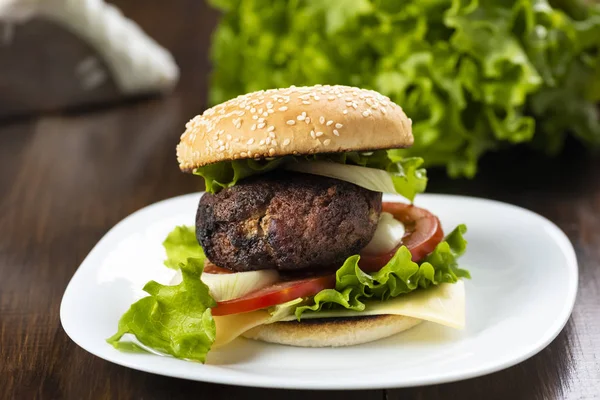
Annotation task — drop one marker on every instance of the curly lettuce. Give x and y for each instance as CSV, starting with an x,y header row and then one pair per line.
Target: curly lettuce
x,y
474,75
181,244
399,276
405,175
173,320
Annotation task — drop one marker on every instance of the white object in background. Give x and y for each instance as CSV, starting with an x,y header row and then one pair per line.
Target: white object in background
x,y
137,63
523,289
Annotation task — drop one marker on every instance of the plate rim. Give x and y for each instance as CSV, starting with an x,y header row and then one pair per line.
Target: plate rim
x,y
543,341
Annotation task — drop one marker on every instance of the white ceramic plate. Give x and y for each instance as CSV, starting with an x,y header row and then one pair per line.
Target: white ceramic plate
x,y
524,284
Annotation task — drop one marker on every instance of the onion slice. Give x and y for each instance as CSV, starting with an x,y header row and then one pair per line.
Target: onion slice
x,y
373,179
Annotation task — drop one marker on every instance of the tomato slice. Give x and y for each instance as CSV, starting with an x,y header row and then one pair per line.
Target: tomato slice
x,y
277,293
211,268
423,233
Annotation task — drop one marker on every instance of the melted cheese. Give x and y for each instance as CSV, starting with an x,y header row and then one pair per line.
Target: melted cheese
x,y
443,304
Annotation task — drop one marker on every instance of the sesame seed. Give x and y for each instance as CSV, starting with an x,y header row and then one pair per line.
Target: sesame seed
x,y
269,105
220,142
366,113
306,102
312,134
274,142
301,117
270,128
336,132
286,142
228,137
265,114
253,127
271,152
291,122
284,108
255,117
221,148
270,111
338,125
268,141
243,154
260,110
238,125
319,134
317,98
326,142
322,119
253,110
331,98
329,123
261,143
261,120
261,125
250,141
272,134
307,120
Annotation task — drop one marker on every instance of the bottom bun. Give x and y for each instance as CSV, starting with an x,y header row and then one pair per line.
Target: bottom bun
x,y
332,332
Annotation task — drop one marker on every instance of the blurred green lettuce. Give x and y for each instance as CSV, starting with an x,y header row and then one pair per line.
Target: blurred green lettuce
x,y
474,75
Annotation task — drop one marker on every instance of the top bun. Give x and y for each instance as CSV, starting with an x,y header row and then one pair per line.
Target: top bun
x,y
296,120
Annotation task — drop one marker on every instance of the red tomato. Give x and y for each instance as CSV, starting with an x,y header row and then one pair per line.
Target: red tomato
x,y
211,268
423,234
277,293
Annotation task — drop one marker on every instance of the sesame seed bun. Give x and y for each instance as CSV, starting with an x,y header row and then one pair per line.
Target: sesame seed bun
x,y
296,120
332,332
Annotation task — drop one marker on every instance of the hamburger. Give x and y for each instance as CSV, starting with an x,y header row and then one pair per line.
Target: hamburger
x,y
292,242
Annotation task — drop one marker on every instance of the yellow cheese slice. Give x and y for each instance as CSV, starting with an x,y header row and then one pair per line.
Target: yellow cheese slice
x,y
443,304
231,326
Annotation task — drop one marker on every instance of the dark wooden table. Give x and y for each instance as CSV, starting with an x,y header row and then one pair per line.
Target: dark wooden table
x,y
65,179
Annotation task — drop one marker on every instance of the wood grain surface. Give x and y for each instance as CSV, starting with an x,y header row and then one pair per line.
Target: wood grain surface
x,y
66,179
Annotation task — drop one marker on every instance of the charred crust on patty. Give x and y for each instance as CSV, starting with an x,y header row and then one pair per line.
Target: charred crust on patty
x,y
286,221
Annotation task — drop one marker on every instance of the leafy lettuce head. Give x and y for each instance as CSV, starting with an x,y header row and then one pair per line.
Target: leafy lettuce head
x,y
475,76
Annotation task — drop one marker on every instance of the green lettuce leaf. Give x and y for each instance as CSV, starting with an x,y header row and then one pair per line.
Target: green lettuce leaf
x,y
180,245
475,76
400,275
174,320
407,176
225,174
